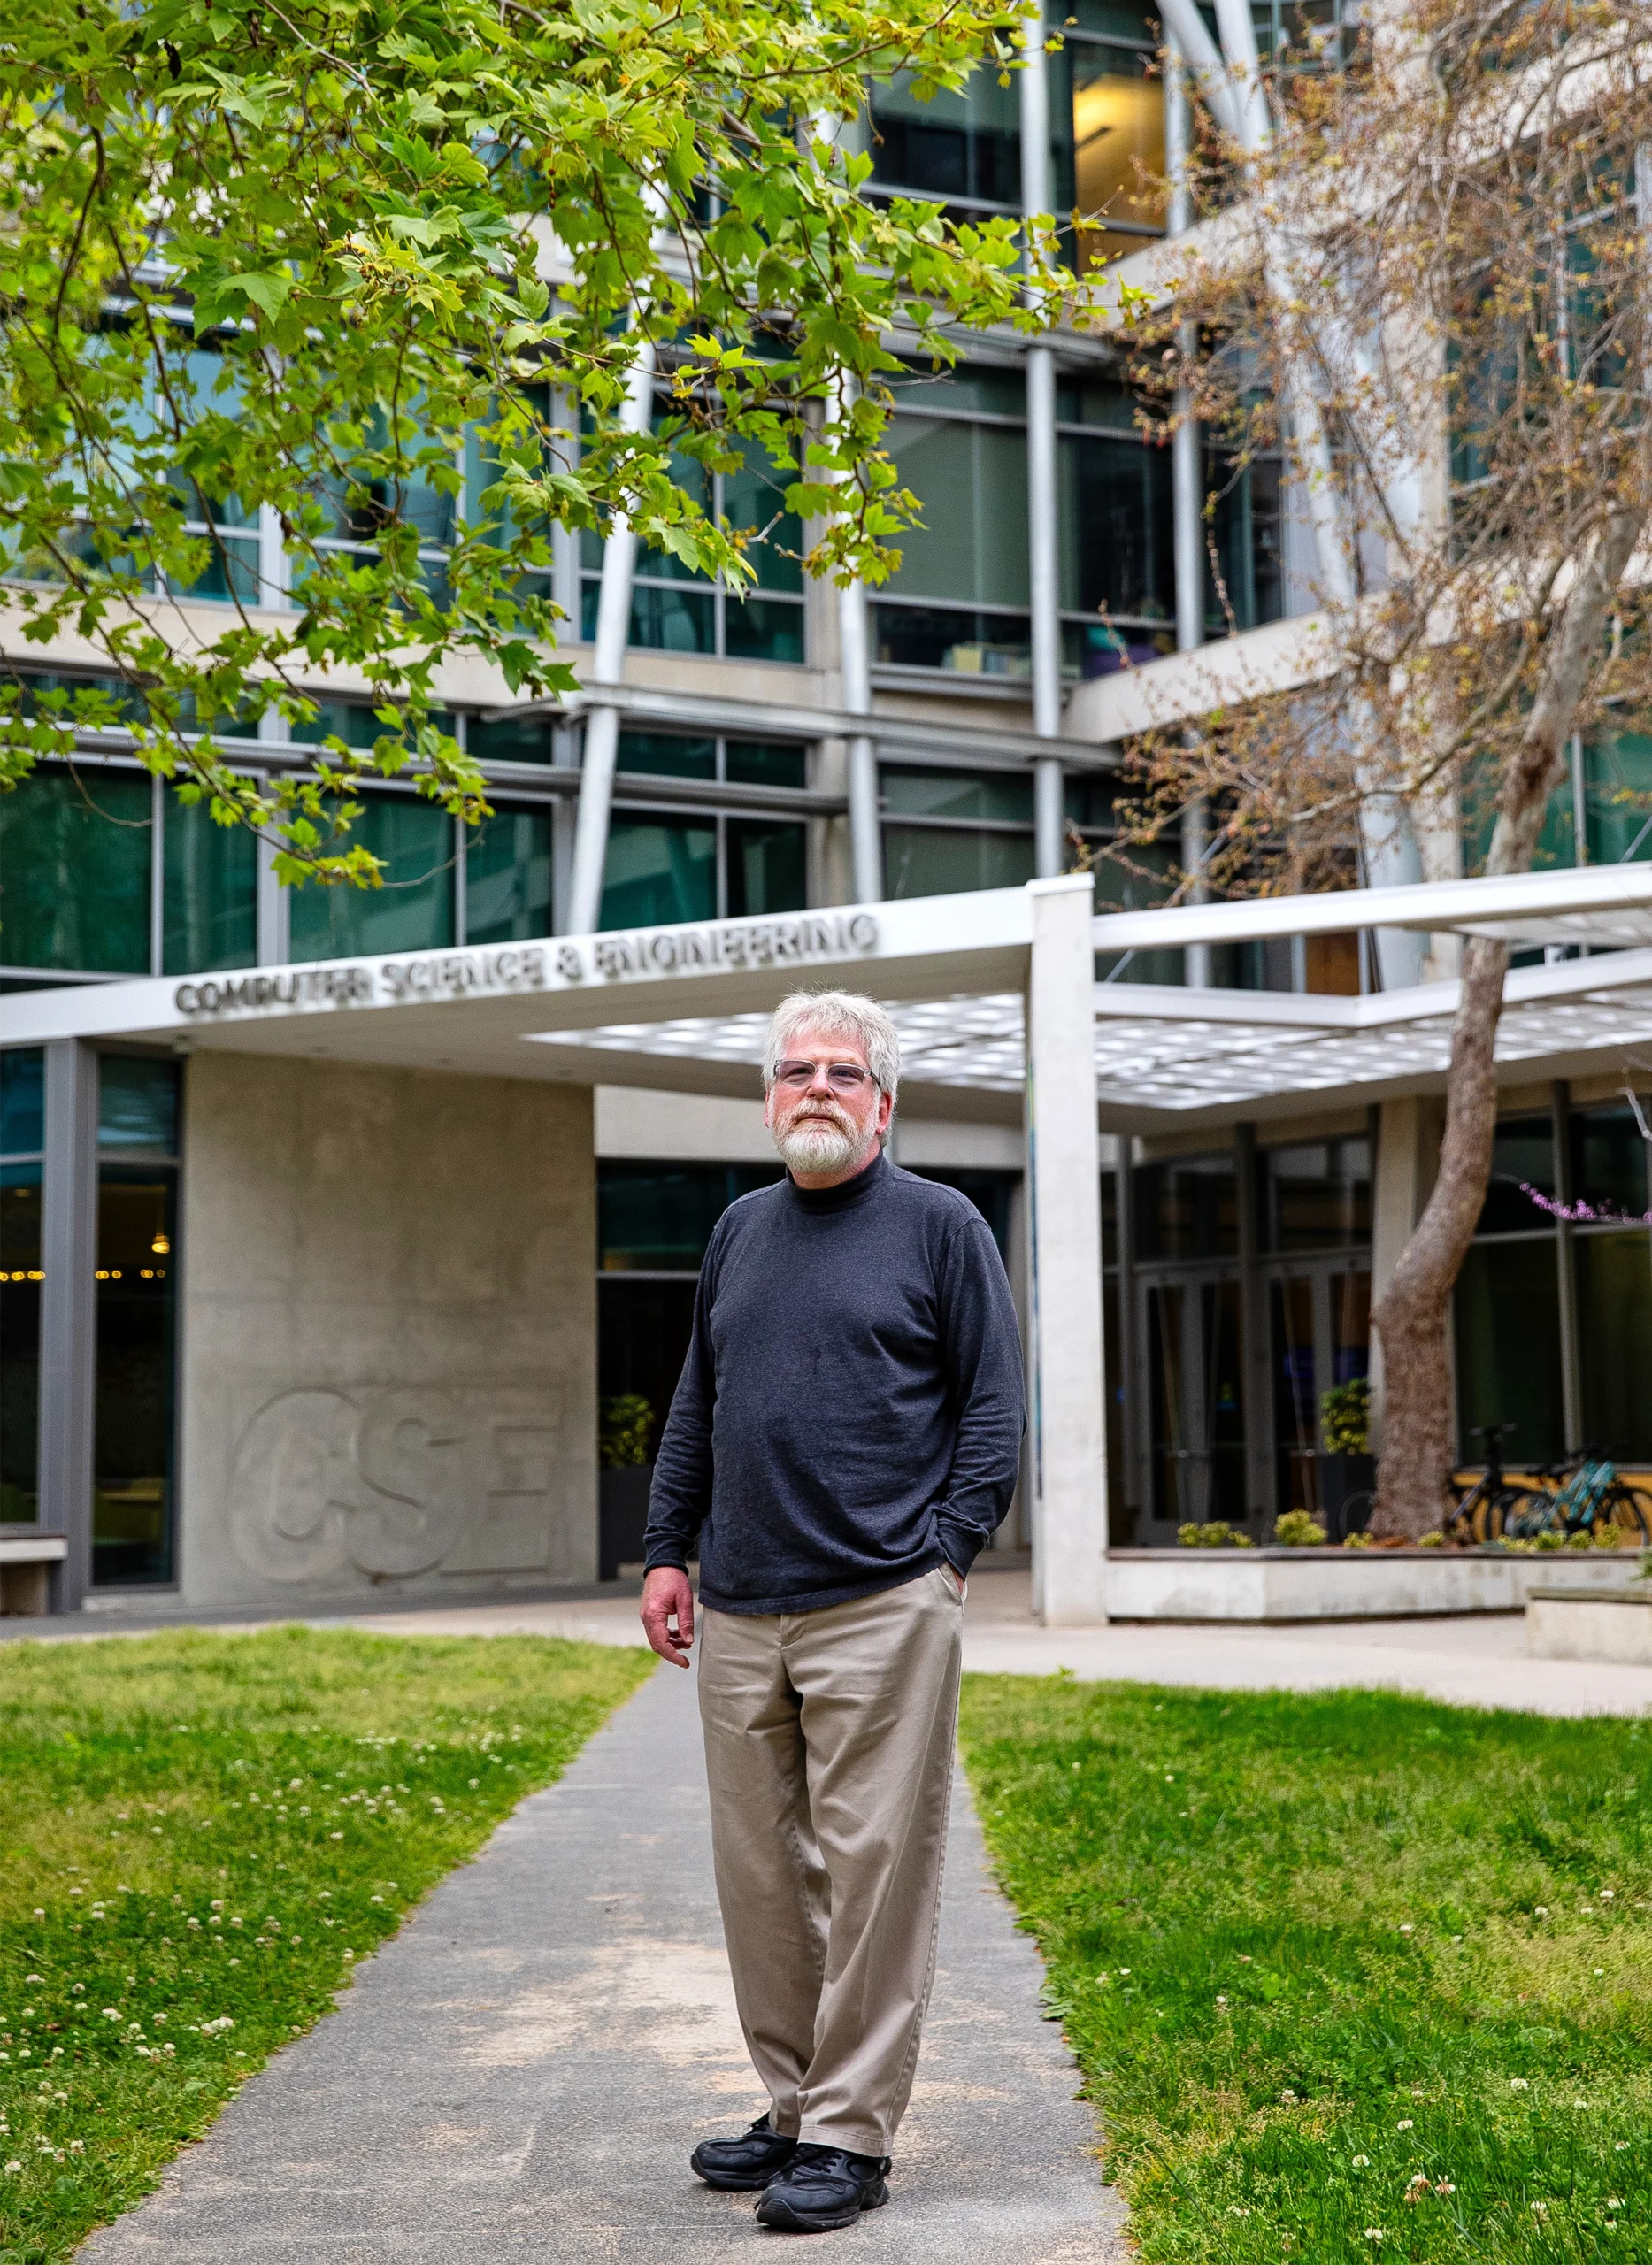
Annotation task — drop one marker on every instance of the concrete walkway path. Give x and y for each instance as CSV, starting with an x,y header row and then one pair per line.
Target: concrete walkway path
x,y
518,2077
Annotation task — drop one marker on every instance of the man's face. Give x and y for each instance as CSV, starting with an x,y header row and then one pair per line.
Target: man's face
x,y
824,1130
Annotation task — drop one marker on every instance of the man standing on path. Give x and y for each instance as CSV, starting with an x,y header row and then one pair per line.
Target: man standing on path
x,y
845,1438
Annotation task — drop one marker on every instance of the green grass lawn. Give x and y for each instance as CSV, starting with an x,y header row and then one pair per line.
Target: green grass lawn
x,y
1348,1976
201,1834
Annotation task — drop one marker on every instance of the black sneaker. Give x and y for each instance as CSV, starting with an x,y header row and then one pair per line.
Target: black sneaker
x,y
743,2165
822,2188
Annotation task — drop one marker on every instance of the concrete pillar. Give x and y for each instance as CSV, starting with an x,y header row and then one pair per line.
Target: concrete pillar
x,y
1402,1176
1067,1384
68,1317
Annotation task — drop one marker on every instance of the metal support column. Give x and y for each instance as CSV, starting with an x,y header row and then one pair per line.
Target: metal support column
x,y
1255,1351
1566,1271
608,667
1067,1384
1187,481
68,1317
866,832
1042,493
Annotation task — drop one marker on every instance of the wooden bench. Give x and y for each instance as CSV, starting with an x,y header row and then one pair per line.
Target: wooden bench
x,y
27,1557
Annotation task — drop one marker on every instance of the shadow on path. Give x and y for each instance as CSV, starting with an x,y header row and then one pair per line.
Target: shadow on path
x,y
518,2077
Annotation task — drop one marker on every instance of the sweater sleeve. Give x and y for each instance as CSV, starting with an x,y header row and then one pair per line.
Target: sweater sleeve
x,y
680,1499
983,1351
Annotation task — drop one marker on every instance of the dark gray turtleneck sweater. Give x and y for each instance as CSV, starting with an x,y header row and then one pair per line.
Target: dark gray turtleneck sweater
x,y
850,1409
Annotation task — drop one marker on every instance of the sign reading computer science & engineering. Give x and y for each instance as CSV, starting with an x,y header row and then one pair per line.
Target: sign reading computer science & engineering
x,y
792,940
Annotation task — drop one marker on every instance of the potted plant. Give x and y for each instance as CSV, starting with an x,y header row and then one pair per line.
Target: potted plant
x,y
624,1437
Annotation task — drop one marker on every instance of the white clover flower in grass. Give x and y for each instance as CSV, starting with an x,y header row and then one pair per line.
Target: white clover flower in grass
x,y
1362,2162
1406,2123
1519,2083
1375,2233
13,2167
1606,1895
1408,1930
1540,1912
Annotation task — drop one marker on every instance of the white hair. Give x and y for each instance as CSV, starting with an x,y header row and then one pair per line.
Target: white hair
x,y
836,1014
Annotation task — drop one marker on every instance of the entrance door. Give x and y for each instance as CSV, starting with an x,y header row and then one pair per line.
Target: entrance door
x,y
1198,1439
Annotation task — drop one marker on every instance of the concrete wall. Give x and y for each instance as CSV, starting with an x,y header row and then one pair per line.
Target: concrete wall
x,y
388,1346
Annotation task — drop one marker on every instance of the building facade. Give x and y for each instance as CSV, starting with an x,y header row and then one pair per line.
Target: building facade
x,y
304,1261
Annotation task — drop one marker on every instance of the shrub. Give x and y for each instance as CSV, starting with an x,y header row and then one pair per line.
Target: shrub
x,y
1216,1533
1297,1530
626,1421
1345,1417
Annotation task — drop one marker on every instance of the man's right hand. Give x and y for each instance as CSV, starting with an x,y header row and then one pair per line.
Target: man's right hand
x,y
668,1596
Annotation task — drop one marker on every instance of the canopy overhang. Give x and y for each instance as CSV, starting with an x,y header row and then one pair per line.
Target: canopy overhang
x,y
683,1008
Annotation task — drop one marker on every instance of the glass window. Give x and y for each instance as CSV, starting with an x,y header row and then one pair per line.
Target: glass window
x,y
663,755
1508,1311
137,1103
22,1101
1317,1196
1615,1341
762,629
753,501
659,871
1609,1159
958,794
970,480
921,861
1110,160
1118,546
507,877
132,1481
953,637
765,762
511,738
412,911
1187,1209
766,866
957,147
20,1280
74,870
965,386
658,1217
210,878
1523,1155
1617,772
1248,540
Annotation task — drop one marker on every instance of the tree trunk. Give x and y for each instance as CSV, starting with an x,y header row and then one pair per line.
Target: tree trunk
x,y
1411,1316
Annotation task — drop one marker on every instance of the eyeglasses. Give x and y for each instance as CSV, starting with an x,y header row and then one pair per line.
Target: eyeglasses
x,y
842,1076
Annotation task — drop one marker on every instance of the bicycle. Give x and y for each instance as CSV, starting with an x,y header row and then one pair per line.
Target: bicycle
x,y
1484,1511
1593,1496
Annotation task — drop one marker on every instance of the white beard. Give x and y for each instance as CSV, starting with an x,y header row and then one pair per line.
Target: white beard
x,y
815,1144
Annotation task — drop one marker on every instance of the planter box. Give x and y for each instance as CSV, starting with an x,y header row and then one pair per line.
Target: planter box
x,y
1263,1584
1614,1625
622,1508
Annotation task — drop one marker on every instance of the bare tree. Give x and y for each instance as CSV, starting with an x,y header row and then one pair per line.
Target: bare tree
x,y
1430,298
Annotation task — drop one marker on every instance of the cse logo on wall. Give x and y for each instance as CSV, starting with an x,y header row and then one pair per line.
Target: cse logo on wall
x,y
391,1481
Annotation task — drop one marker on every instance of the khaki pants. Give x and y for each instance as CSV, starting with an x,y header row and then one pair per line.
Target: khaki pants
x,y
828,1747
